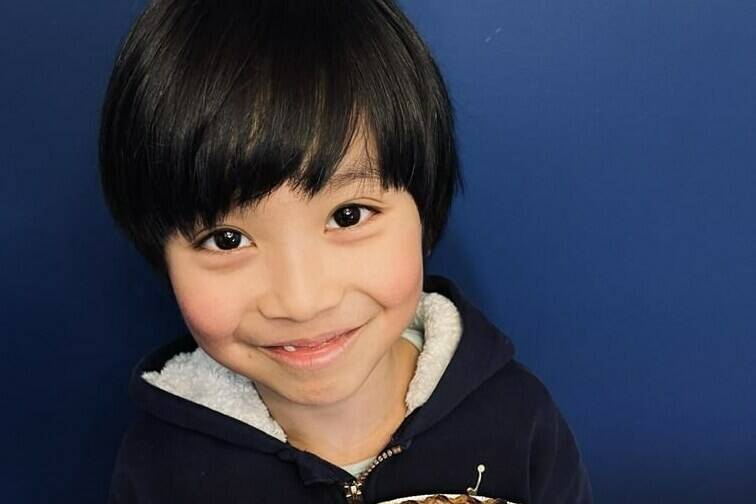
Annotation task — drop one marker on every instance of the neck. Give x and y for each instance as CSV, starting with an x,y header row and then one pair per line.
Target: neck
x,y
361,425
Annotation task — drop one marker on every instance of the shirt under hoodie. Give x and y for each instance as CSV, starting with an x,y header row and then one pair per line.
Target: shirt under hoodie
x,y
204,435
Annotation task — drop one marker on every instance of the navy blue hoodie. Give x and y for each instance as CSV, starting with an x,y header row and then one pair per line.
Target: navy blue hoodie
x,y
487,409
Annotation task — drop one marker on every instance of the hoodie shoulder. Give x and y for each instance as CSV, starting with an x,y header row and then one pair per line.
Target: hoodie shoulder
x,y
555,472
159,461
132,460
145,456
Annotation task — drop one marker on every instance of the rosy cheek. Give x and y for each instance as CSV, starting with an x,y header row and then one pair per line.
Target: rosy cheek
x,y
208,314
398,272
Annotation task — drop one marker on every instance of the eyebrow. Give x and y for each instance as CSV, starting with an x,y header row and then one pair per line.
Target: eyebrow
x,y
339,180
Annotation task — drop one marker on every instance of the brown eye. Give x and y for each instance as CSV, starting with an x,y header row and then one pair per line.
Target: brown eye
x,y
350,215
224,240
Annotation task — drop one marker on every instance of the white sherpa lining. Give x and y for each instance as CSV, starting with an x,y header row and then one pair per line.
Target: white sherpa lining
x,y
199,378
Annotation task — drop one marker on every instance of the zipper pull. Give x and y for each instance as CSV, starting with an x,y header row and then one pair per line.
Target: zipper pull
x,y
353,492
472,492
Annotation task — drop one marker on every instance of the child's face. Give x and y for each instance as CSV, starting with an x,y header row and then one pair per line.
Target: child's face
x,y
302,269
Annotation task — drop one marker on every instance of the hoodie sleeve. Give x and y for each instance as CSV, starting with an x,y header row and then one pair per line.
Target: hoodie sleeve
x,y
556,471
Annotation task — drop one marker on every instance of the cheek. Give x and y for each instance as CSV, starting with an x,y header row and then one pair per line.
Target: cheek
x,y
209,312
396,274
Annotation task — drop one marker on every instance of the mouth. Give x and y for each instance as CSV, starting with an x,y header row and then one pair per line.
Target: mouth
x,y
312,356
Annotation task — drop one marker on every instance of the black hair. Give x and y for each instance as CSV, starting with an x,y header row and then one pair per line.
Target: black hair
x,y
213,105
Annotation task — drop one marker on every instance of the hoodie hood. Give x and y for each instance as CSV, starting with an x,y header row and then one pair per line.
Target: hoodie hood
x,y
180,384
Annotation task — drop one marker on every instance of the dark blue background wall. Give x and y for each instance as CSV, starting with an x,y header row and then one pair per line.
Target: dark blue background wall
x,y
609,150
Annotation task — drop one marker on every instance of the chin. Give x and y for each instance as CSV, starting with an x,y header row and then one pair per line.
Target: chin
x,y
322,393
314,394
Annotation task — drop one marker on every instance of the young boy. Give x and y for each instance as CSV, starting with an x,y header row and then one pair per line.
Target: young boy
x,y
288,166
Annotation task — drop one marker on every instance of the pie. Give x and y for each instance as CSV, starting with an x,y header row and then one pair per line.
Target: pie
x,y
461,499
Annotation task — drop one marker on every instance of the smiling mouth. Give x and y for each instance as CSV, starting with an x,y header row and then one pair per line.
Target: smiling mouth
x,y
294,345
311,346
313,357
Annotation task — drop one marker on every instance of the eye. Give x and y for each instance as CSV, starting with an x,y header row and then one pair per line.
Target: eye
x,y
351,215
224,240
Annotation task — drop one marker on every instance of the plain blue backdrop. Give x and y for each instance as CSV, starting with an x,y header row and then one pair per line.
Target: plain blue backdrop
x,y
608,227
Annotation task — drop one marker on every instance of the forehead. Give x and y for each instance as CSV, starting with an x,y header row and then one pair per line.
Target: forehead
x,y
358,168
357,172
359,164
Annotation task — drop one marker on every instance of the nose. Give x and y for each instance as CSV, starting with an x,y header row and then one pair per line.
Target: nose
x,y
301,284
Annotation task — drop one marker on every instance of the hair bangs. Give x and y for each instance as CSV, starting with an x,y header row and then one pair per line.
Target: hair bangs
x,y
214,106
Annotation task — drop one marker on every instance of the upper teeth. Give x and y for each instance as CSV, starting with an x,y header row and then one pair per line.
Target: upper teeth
x,y
292,348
